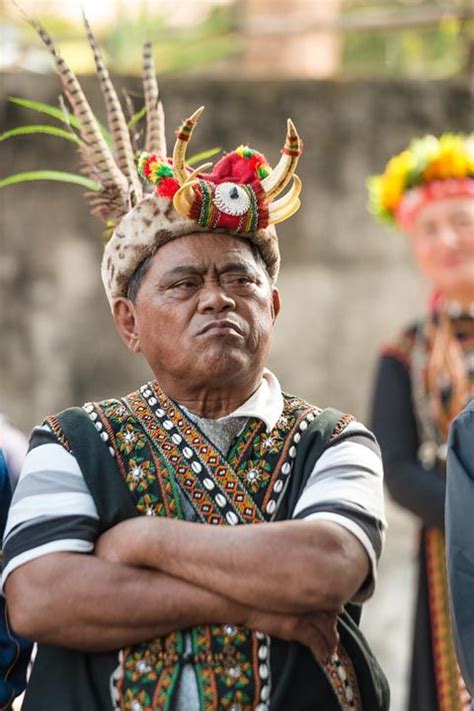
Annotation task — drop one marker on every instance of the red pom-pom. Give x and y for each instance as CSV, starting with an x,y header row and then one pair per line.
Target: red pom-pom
x,y
146,167
167,188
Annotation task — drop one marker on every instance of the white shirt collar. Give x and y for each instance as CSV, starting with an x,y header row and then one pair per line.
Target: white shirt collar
x,y
266,403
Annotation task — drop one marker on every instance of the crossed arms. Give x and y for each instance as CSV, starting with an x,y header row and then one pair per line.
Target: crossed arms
x,y
150,576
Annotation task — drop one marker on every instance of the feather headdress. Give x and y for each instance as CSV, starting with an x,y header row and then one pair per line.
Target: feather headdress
x,y
150,199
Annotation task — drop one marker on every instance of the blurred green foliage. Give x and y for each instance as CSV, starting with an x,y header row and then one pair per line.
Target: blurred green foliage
x,y
183,49
431,51
217,41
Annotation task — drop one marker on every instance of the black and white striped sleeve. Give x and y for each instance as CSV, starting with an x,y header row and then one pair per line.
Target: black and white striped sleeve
x,y
52,509
346,487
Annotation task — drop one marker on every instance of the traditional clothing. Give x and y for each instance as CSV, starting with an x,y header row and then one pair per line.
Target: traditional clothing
x,y
147,198
276,457
423,381
414,451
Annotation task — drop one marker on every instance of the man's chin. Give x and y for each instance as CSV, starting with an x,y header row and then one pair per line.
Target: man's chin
x,y
224,359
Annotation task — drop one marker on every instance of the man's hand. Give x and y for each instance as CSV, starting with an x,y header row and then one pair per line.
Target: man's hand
x,y
316,630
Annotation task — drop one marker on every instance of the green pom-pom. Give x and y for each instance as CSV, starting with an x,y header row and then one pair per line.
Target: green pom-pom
x,y
263,171
163,171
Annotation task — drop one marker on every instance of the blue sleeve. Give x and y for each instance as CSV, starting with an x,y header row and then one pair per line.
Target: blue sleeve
x,y
14,651
5,493
460,538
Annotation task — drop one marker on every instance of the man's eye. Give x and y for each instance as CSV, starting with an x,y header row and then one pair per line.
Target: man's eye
x,y
185,284
238,279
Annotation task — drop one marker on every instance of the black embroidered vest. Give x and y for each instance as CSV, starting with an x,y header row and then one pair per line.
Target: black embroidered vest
x,y
147,453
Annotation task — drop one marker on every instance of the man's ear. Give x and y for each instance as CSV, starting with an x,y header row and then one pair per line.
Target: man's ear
x,y
276,303
126,322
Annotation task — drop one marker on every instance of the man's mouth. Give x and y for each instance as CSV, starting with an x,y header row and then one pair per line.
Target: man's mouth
x,y
221,326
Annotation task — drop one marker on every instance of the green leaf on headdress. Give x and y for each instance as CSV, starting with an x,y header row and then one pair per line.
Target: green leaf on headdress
x,y
51,130
57,114
413,177
55,175
199,157
137,117
46,109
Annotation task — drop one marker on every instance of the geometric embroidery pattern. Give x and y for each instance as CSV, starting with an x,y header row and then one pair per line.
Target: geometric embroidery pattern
x,y
159,452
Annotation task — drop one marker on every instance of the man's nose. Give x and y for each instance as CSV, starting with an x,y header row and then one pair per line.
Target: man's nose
x,y
213,297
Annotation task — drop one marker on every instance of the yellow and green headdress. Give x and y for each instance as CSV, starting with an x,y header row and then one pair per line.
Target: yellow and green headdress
x,y
429,169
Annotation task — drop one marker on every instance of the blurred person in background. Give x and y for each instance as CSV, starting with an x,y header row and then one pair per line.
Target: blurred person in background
x,y
460,538
14,651
124,556
425,378
15,447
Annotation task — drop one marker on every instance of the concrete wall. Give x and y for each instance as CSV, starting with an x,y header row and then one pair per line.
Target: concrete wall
x,y
347,284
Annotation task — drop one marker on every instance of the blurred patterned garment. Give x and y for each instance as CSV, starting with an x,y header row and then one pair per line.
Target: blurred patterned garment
x,y
14,651
15,446
424,380
460,537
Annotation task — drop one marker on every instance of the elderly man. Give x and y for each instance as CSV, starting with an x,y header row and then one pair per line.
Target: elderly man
x,y
460,538
134,549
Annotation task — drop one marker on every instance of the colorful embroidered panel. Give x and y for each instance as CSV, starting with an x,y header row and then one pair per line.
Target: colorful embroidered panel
x,y
452,691
340,672
159,453
421,350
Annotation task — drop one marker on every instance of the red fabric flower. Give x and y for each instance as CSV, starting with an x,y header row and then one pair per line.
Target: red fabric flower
x,y
235,168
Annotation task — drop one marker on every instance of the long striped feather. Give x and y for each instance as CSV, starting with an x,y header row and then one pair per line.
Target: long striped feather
x,y
155,140
98,161
117,123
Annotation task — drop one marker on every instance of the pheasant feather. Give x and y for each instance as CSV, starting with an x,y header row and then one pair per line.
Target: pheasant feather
x,y
98,161
155,140
117,123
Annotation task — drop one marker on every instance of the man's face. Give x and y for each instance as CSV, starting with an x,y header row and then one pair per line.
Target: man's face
x,y
204,311
442,240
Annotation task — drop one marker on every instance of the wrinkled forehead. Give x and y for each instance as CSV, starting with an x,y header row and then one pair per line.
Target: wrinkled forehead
x,y
203,251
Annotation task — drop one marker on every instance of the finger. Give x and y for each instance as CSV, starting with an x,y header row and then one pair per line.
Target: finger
x,y
317,641
297,629
319,646
326,626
